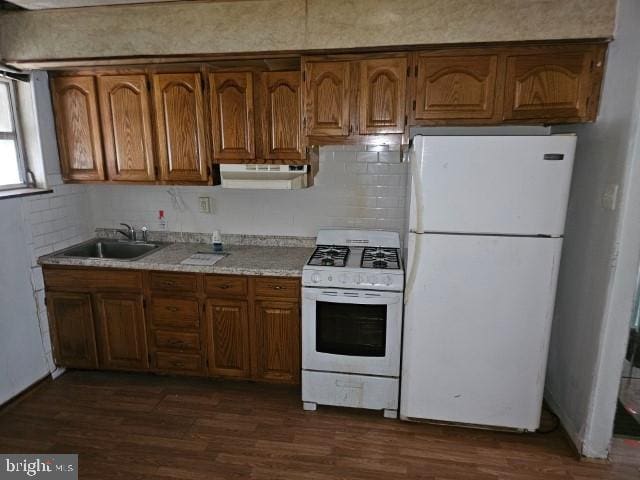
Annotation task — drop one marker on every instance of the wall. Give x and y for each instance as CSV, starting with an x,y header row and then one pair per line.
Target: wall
x,y
352,189
598,270
30,227
277,25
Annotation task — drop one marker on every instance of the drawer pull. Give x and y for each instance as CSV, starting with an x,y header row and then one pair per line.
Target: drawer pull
x,y
169,283
175,343
277,287
177,364
224,286
172,309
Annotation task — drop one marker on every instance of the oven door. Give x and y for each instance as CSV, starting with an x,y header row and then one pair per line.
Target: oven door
x,y
351,331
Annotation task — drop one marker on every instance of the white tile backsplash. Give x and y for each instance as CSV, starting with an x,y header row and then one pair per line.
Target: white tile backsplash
x,y
352,189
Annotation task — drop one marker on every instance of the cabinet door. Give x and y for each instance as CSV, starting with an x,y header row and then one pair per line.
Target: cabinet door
x,y
182,148
228,338
232,115
548,86
383,86
327,86
456,87
126,127
72,329
121,333
281,115
277,345
75,105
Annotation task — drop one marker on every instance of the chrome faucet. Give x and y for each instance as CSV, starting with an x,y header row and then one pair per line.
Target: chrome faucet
x,y
130,232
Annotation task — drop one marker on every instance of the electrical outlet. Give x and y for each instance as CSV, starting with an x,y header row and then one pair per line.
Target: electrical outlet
x,y
204,204
610,197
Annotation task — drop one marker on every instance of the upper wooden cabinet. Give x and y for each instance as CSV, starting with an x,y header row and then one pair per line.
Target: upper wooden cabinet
x,y
382,95
75,105
281,116
232,113
180,127
327,97
552,85
126,127
454,86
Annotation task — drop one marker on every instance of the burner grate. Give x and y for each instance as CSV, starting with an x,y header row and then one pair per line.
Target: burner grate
x,y
330,256
380,257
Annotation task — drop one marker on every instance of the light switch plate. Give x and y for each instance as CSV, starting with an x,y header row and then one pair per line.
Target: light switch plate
x,y
204,204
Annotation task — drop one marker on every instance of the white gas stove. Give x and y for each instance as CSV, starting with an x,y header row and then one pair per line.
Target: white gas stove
x,y
367,260
352,321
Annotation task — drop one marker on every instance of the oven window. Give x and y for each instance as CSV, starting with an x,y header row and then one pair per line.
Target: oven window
x,y
351,329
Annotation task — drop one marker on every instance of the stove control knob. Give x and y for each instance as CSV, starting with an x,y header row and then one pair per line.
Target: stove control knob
x,y
344,278
315,277
387,280
372,279
330,278
360,279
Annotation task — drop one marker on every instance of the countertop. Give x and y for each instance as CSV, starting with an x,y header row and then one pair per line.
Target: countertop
x,y
277,261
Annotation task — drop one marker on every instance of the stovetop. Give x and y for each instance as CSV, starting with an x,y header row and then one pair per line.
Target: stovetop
x,y
355,259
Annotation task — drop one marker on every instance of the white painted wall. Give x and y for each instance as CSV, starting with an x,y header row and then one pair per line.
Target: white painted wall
x,y
600,255
30,227
352,189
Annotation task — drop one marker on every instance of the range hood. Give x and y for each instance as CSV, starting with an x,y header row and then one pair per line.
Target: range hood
x,y
263,176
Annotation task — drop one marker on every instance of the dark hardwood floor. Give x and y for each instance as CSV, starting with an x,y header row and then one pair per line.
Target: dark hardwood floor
x,y
130,426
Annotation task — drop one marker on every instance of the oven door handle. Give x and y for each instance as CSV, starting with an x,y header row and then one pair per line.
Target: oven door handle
x,y
357,300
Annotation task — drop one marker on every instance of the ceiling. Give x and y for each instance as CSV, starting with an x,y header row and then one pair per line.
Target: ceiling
x,y
46,4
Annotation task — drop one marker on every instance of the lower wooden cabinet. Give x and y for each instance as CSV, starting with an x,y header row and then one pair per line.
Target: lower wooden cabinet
x,y
121,333
73,335
277,357
228,338
191,324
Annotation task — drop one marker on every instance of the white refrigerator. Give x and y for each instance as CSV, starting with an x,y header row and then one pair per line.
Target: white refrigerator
x,y
486,221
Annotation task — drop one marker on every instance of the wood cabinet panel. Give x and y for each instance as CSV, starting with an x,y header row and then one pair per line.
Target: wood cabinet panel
x,y
75,105
225,285
281,115
176,340
228,338
550,85
277,287
455,87
382,95
232,116
126,127
327,98
180,312
277,335
180,127
179,362
122,342
72,329
88,279
174,282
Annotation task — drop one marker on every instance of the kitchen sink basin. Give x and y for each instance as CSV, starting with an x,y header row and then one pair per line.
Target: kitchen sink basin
x,y
112,249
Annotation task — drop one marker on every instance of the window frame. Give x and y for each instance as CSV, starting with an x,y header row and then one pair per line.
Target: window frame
x,y
16,136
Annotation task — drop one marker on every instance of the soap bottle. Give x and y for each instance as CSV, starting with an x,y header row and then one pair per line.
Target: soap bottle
x,y
216,241
162,222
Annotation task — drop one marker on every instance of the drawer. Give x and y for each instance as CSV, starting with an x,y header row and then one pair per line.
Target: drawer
x,y
92,278
174,282
277,287
225,285
172,340
175,312
179,362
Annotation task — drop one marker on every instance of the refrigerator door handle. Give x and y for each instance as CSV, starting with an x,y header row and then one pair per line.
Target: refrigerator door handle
x,y
416,189
413,268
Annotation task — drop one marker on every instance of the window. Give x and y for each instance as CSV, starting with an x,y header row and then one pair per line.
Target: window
x,y
12,167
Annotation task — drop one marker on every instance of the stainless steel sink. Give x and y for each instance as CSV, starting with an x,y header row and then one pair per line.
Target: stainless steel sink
x,y
112,249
